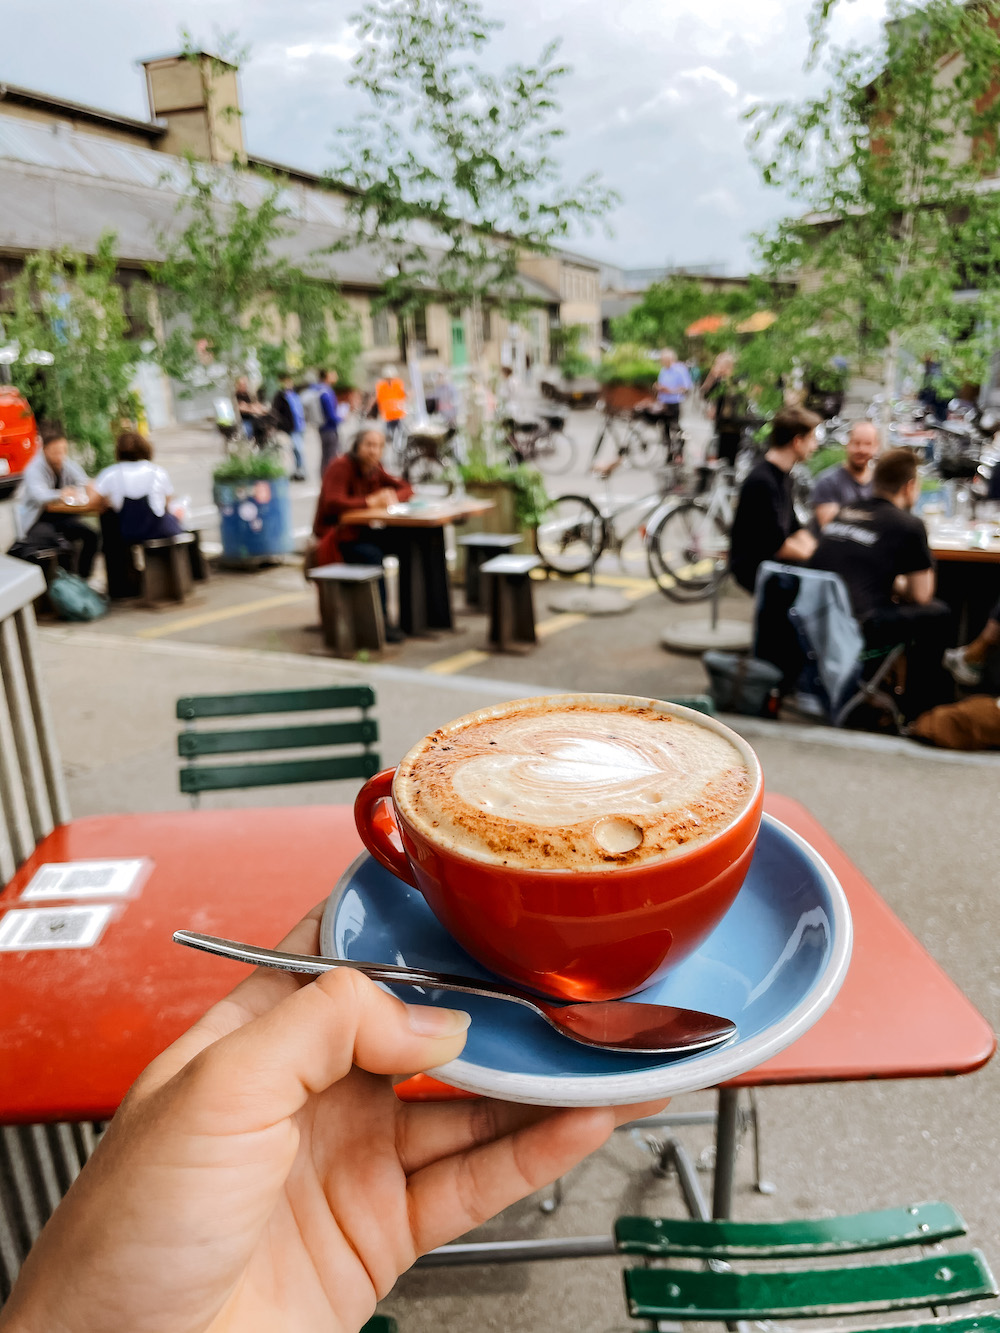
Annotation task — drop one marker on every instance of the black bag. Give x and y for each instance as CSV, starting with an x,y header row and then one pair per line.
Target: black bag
x,y
741,684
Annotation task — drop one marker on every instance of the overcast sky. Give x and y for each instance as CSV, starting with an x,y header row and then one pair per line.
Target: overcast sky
x,y
654,101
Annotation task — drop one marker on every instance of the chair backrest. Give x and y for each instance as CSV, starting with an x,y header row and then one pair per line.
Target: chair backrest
x,y
32,792
809,609
195,745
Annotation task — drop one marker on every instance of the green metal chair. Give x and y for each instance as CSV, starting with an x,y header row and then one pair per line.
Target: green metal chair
x,y
195,745
930,1282
380,1323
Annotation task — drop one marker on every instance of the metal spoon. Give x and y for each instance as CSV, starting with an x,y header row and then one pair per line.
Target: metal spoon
x,y
610,1025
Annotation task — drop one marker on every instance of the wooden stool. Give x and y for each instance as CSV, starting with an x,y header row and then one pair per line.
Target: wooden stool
x,y
350,607
481,546
510,602
166,573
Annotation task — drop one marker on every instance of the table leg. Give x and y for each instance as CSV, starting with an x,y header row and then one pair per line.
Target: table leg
x,y
725,1152
404,544
437,589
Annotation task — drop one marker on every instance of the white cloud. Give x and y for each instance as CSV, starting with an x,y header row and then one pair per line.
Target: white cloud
x,y
705,74
309,50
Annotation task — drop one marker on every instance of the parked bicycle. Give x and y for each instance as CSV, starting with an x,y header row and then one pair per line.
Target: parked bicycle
x,y
635,437
426,455
542,443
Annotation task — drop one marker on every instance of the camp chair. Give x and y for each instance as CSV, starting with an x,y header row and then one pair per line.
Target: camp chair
x,y
804,624
720,1294
195,744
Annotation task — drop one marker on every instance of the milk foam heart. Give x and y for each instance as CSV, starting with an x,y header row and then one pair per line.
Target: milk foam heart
x,y
557,784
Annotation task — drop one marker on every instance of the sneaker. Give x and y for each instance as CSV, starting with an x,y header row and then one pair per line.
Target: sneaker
x,y
298,476
394,635
966,673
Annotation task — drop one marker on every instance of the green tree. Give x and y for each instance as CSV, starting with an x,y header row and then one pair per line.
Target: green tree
x,y
670,307
227,287
71,307
454,167
889,160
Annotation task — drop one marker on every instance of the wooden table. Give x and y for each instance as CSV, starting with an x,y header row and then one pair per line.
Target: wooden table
x,y
417,539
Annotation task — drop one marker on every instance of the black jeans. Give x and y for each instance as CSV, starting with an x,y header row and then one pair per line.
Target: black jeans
x,y
329,438
366,552
926,631
50,527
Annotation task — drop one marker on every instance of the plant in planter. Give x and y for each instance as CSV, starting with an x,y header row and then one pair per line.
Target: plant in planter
x,y
628,376
251,489
518,491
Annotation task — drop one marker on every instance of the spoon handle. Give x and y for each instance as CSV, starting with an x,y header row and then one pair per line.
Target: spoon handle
x,y
310,965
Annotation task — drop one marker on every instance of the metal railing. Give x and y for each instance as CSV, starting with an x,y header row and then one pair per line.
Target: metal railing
x,y
32,792
37,1162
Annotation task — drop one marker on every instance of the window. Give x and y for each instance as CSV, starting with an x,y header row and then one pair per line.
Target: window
x,y
380,326
487,324
420,326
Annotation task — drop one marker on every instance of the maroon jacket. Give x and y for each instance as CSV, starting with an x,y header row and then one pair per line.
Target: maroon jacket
x,y
345,487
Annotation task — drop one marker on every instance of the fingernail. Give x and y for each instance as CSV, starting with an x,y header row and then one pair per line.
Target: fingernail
x,y
427,1021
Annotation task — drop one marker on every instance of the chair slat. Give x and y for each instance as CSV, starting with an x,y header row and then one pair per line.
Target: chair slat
x,y
228,777
976,1323
890,1228
701,703
275,701
380,1323
190,744
950,1279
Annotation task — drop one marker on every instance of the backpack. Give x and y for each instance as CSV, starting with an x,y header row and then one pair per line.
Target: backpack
x,y
311,406
73,598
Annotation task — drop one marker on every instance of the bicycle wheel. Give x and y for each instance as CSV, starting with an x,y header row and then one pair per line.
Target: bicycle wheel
x,y
571,536
428,472
687,551
554,452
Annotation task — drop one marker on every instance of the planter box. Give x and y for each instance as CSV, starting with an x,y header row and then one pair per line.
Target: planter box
x,y
256,520
624,397
500,519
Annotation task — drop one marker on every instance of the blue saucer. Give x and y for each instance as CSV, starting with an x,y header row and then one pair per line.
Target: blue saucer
x,y
772,965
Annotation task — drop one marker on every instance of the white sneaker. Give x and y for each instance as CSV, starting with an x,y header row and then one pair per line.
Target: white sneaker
x,y
966,673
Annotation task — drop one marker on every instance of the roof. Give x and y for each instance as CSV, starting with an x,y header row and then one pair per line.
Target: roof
x,y
66,188
92,115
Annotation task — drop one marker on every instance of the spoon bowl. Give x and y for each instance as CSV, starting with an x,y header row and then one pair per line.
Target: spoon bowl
x,y
610,1025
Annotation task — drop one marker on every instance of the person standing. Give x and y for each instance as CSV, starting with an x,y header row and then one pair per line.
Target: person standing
x,y
52,486
766,526
673,384
390,395
727,404
848,482
290,415
329,418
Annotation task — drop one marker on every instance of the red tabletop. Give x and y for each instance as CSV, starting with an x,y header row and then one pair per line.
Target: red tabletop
x,y
76,1027
898,1014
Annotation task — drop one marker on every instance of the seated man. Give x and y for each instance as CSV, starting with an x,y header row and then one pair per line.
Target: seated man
x,y
766,526
968,664
846,482
880,551
357,480
52,487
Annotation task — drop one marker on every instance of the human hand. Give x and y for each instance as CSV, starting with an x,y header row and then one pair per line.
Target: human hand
x,y
262,1174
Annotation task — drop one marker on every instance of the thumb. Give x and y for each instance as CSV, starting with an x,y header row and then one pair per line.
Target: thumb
x,y
267,1070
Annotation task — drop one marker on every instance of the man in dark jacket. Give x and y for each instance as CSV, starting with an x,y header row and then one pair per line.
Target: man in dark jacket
x,y
290,416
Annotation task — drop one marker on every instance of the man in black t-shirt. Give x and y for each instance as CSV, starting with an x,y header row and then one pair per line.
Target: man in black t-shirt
x,y
766,526
880,551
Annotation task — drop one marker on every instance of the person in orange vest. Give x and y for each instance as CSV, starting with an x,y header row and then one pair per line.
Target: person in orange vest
x,y
390,395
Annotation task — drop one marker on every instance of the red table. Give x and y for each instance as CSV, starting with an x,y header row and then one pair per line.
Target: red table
x,y
76,1027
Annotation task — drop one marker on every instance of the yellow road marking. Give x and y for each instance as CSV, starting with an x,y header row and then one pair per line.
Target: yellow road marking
x,y
224,613
546,627
448,666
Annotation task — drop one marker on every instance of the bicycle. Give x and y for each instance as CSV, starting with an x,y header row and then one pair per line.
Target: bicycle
x,y
426,456
688,546
576,532
636,439
543,444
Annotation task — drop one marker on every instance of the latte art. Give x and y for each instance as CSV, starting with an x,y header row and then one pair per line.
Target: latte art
x,y
555,783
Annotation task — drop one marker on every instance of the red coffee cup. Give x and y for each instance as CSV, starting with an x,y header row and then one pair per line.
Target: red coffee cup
x,y
597,933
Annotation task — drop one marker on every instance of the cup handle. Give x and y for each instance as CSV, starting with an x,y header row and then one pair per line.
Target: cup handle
x,y
376,823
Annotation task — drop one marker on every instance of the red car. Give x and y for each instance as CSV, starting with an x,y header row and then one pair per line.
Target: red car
x,y
19,438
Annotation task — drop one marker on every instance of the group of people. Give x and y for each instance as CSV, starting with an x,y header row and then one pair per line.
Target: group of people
x,y
132,498
294,406
864,530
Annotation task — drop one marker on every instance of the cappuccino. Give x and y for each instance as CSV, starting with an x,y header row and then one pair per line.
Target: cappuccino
x,y
572,783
